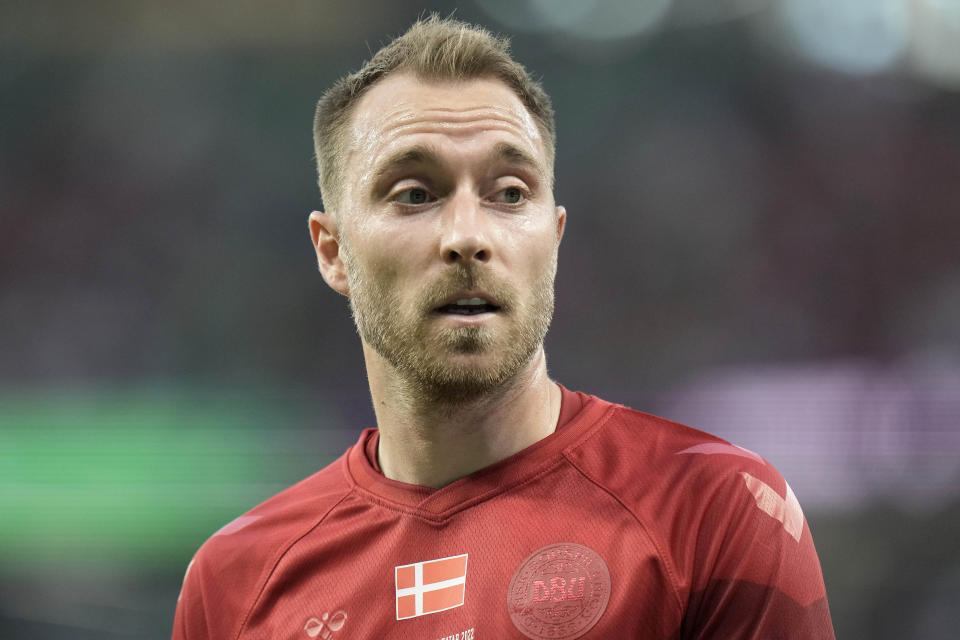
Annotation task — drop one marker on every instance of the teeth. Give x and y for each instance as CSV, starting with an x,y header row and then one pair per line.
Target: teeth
x,y
469,301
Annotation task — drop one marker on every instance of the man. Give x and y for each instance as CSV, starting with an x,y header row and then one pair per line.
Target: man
x,y
490,502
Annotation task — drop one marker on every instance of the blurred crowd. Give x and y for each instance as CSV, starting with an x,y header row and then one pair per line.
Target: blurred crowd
x,y
762,242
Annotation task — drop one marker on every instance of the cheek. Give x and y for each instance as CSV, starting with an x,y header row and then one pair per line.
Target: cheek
x,y
382,271
386,265
534,249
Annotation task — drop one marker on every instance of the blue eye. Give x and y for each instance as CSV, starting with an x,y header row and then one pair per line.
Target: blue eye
x,y
413,196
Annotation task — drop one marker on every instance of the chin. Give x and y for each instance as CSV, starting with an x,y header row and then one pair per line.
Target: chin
x,y
467,341
459,389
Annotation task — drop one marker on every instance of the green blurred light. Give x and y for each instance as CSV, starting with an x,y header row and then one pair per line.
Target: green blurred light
x,y
135,477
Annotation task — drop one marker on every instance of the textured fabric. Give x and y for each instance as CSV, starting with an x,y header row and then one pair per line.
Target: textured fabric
x,y
619,525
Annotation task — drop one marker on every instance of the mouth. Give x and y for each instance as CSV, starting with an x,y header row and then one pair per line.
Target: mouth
x,y
468,306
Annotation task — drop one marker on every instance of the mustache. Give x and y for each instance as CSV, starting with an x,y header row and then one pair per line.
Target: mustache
x,y
466,278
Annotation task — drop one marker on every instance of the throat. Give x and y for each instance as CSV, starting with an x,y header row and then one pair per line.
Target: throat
x,y
435,463
435,446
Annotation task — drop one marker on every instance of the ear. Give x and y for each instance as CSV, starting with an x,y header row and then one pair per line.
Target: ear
x,y
326,242
561,222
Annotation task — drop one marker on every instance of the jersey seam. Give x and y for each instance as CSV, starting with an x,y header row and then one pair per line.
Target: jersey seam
x,y
445,516
279,558
646,530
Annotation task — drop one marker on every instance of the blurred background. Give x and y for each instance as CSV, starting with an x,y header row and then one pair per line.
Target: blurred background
x,y
763,242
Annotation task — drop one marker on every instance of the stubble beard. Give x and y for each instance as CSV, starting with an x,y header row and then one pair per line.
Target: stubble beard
x,y
423,357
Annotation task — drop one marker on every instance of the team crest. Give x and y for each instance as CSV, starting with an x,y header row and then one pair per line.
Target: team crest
x,y
559,592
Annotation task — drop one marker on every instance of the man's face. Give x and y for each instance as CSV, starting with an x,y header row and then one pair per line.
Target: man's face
x,y
449,232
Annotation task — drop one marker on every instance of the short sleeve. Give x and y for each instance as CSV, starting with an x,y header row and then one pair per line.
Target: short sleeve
x,y
757,573
189,620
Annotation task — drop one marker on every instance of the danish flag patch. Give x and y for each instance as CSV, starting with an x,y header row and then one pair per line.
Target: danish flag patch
x,y
430,586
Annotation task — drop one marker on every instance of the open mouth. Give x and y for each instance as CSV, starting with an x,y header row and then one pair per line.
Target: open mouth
x,y
468,307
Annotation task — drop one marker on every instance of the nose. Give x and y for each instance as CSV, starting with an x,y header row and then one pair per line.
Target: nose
x,y
466,233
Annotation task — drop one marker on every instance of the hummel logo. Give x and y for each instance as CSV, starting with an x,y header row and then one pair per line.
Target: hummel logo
x,y
326,625
787,510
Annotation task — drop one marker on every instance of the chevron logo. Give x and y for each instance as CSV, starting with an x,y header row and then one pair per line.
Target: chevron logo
x,y
785,510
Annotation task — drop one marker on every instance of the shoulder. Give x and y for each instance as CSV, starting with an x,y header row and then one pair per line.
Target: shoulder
x,y
229,569
637,452
715,510
681,483
265,529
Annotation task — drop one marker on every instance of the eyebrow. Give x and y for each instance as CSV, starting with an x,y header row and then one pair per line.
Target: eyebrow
x,y
417,155
512,154
428,155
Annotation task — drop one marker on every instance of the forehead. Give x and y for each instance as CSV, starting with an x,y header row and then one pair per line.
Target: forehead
x,y
403,108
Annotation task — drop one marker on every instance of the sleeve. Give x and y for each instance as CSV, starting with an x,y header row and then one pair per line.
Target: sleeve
x,y
189,620
757,573
218,586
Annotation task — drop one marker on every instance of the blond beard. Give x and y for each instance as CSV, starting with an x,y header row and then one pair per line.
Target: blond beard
x,y
398,331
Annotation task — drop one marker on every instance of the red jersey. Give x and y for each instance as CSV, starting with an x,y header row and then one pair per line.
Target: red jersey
x,y
618,525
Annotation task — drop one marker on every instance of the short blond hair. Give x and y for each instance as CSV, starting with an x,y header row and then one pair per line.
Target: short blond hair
x,y
434,48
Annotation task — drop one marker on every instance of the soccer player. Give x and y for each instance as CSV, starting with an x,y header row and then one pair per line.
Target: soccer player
x,y
490,502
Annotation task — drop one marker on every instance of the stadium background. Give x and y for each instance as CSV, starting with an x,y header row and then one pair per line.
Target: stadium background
x,y
763,241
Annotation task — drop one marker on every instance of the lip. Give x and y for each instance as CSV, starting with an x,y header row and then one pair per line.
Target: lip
x,y
464,320
467,295
467,320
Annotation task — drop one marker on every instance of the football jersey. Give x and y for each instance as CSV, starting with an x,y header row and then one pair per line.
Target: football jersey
x,y
618,525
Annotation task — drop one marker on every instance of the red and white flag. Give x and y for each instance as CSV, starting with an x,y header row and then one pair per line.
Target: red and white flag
x,y
431,586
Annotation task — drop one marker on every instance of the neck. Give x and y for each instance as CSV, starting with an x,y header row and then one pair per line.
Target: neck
x,y
432,443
